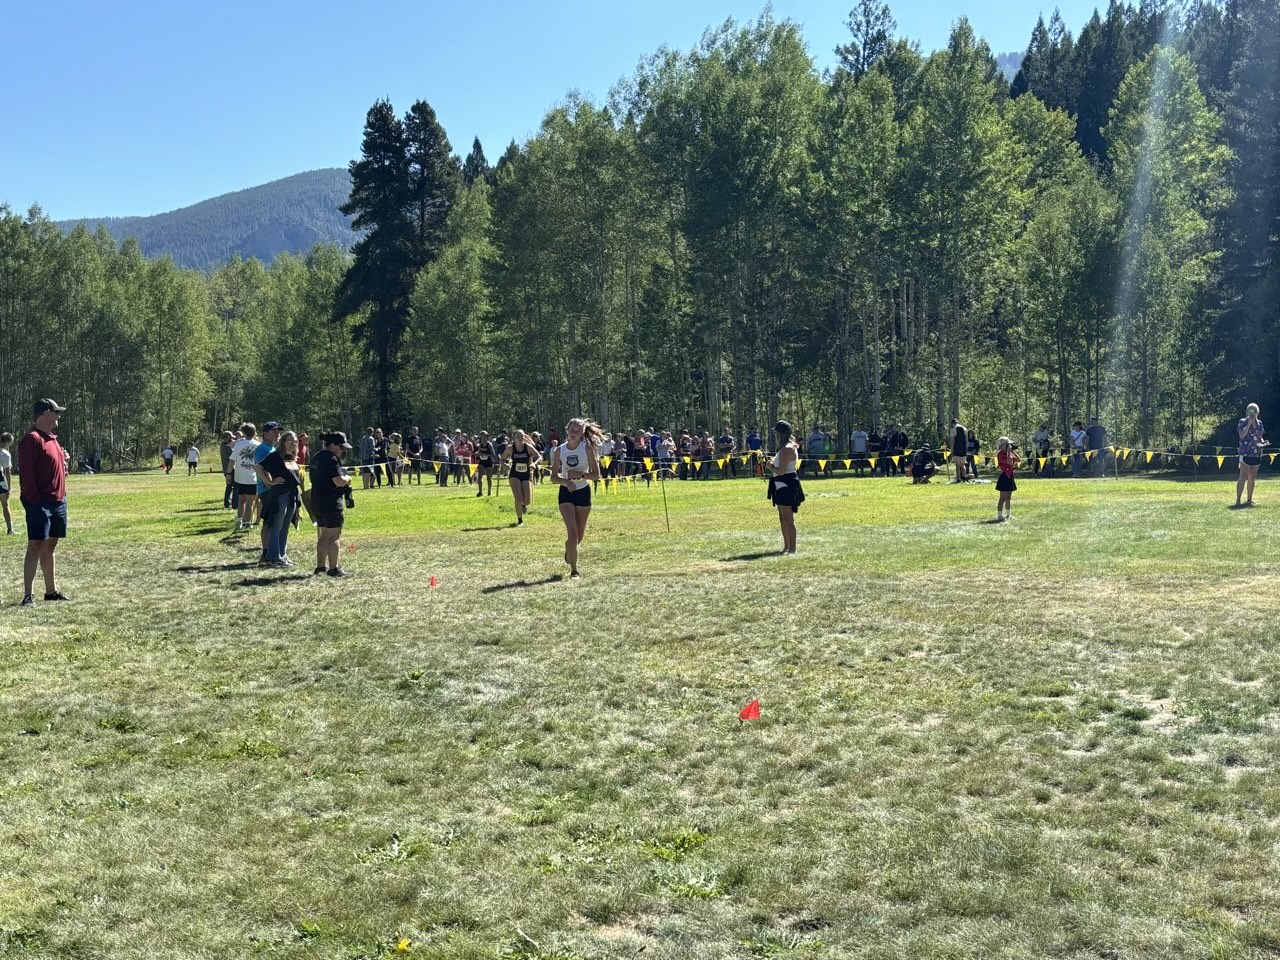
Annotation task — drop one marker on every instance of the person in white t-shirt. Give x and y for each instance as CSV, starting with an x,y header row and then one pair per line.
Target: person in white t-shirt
x,y
167,455
1078,438
245,477
193,460
858,447
6,478
606,450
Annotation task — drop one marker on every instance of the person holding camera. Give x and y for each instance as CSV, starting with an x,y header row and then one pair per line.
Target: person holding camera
x,y
1007,461
330,493
1249,430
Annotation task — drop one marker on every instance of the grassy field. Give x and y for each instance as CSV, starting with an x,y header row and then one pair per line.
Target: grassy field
x,y
1051,738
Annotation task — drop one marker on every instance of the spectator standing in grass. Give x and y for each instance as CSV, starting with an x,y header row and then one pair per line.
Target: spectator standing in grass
x,y
726,444
167,456
193,460
1007,461
42,473
960,450
972,459
1249,430
785,490
270,437
330,491
858,448
380,456
242,472
413,450
285,483
608,443
368,450
1096,437
1078,439
394,453
224,454
304,450
755,452
1040,442
6,479
442,455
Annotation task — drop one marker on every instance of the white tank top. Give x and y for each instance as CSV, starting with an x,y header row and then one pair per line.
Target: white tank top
x,y
574,459
777,462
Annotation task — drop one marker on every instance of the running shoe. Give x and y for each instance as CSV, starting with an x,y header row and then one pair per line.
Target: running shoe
x,y
56,595
338,572
28,601
319,571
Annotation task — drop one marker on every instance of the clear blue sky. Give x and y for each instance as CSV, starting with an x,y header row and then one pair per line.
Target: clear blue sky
x,y
111,109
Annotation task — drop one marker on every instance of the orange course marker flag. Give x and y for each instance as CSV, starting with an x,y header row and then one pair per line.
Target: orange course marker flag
x,y
751,711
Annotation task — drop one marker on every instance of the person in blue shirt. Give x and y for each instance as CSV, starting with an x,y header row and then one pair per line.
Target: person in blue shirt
x,y
270,437
655,442
754,445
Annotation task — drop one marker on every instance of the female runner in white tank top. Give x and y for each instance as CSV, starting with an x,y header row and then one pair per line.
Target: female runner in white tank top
x,y
574,467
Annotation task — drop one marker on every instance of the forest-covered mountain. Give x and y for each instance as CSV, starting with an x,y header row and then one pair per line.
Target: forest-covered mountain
x,y
284,216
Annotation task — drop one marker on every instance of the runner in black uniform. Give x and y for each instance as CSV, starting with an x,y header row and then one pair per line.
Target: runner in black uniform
x,y
486,463
522,459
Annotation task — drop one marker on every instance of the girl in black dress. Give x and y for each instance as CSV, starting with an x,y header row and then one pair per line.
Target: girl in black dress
x,y
784,485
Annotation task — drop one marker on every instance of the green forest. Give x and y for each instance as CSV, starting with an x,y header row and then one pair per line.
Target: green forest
x,y
731,237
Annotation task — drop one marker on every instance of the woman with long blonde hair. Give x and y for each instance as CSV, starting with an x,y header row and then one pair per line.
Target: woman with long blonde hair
x,y
574,467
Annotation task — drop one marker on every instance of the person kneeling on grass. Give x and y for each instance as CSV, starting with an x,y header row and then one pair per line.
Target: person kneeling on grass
x,y
922,466
784,485
330,490
1007,461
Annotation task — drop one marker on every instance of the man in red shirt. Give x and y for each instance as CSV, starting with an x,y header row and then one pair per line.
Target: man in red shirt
x,y
42,472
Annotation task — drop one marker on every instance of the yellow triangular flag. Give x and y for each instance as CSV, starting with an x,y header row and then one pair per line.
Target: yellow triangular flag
x,y
895,460
848,464
799,464
1063,460
1217,449
722,462
822,464
648,463
1150,454
687,459
471,469
743,460
1271,458
907,453
1195,460
605,461
1088,454
1041,461
872,461
1221,460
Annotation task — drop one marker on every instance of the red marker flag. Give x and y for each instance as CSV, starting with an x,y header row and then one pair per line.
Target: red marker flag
x,y
751,711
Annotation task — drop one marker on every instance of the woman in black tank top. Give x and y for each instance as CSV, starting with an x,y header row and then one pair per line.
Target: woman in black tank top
x,y
521,458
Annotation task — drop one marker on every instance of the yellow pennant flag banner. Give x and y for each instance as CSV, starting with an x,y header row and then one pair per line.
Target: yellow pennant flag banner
x,y
648,463
822,464
605,461
1220,460
1195,460
722,462
1150,455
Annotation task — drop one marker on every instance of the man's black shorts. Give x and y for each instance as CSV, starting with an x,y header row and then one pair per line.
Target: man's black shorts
x,y
46,520
246,489
329,519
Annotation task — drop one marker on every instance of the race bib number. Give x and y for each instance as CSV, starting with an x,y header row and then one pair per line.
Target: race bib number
x,y
522,468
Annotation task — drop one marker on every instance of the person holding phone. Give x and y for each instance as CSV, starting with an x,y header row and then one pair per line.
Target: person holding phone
x,y
1251,444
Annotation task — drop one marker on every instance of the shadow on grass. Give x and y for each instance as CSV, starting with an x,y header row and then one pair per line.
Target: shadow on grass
x,y
270,581
201,510
523,584
205,531
501,526
761,555
218,567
